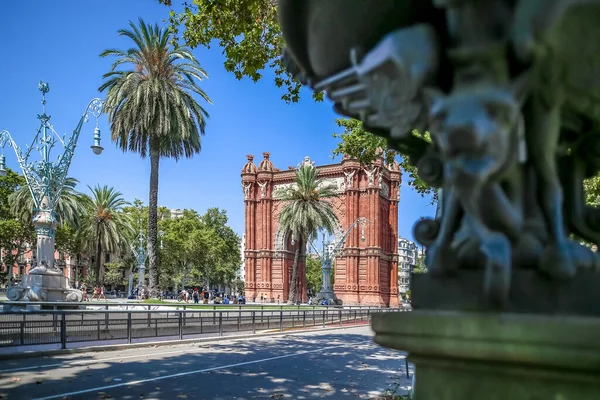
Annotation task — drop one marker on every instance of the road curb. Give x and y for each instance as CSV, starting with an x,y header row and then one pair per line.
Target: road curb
x,y
125,346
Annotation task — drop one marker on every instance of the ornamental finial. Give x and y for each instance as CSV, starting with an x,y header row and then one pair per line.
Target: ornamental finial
x,y
43,87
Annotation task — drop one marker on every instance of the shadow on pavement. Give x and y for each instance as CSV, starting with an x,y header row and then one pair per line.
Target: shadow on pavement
x,y
333,365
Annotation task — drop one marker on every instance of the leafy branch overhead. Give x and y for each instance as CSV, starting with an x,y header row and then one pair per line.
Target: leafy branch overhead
x,y
248,32
356,142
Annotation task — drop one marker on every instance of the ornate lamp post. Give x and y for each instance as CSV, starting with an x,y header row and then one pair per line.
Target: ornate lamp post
x,y
45,179
327,258
141,254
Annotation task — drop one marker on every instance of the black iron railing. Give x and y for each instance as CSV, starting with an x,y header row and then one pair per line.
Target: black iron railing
x,y
22,328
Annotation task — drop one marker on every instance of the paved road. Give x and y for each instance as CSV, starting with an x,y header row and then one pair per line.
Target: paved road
x,y
341,364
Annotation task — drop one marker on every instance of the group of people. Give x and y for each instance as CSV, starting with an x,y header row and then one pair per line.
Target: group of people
x,y
205,295
97,293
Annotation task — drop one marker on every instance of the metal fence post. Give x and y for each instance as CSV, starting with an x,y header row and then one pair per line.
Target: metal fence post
x,y
253,322
54,322
281,320
63,331
106,317
22,330
355,318
220,323
304,319
324,318
340,312
184,315
239,321
149,316
128,327
180,325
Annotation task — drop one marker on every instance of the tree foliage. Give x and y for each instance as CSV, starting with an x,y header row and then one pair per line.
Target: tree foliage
x,y
15,234
366,147
591,187
68,210
199,250
248,32
152,110
420,268
150,90
104,226
116,273
314,275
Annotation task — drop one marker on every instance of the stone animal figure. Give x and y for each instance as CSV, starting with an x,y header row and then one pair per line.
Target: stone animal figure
x,y
560,39
478,132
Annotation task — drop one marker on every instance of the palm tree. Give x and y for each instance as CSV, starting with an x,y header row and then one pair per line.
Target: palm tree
x,y
151,108
104,224
68,209
305,214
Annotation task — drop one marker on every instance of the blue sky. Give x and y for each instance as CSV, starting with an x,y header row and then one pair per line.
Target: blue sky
x,y
59,42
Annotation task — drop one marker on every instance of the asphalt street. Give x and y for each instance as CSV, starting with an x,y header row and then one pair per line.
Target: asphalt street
x,y
338,364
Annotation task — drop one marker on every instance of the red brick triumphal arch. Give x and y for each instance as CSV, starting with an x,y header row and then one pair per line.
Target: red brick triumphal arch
x,y
365,272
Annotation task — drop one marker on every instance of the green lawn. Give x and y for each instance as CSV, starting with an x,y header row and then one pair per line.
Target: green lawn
x,y
192,305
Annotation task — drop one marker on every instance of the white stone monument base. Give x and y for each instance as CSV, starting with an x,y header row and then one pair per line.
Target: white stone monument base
x,y
47,285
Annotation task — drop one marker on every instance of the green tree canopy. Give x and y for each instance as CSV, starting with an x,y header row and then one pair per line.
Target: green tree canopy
x,y
248,32
105,227
591,187
199,249
15,234
314,275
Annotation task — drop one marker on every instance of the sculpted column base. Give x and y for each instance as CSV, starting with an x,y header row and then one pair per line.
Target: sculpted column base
x,y
496,356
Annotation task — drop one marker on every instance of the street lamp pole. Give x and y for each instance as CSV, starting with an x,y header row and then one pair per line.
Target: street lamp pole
x,y
327,258
141,254
45,180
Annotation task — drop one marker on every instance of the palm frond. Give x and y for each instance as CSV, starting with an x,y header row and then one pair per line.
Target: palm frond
x,y
151,97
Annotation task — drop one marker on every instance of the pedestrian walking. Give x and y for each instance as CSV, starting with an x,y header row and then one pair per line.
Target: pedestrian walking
x,y
101,293
95,293
84,292
196,295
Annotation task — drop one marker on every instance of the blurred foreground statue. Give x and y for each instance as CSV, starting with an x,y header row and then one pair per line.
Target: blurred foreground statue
x,y
509,91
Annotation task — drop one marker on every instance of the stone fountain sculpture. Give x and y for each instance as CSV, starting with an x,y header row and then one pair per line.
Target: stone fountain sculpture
x,y
508,89
45,282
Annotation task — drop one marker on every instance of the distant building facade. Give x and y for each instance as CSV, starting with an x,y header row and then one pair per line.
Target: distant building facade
x,y
176,213
73,267
365,271
408,252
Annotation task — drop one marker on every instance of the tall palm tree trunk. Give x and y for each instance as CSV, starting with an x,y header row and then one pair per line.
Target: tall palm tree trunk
x,y
153,221
98,256
294,281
